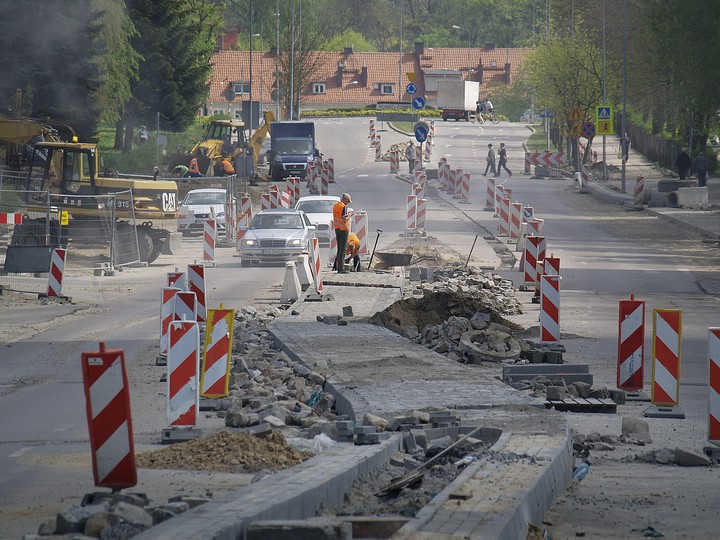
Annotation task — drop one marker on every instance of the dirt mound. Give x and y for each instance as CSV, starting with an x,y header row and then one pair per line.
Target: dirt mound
x,y
225,451
434,308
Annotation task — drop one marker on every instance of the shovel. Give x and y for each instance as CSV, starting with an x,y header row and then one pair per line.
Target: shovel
x,y
379,232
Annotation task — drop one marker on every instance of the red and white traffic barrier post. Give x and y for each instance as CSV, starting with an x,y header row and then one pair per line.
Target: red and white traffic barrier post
x,y
316,267
631,345
196,279
325,179
490,194
372,129
534,252
394,162
550,308
274,196
209,235
443,173
183,390
285,198
378,148
504,214
421,214
167,315
457,184
714,385
360,227
333,252
666,356
265,202
185,306
216,363
177,279
639,196
55,276
515,221
410,221
499,196
465,188
331,170
10,219
107,404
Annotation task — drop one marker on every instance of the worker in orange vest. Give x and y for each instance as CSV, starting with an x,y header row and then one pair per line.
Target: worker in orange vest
x,y
194,168
227,167
352,252
341,224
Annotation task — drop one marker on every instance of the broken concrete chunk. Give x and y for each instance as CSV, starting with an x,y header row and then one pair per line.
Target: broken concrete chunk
x,y
690,458
632,425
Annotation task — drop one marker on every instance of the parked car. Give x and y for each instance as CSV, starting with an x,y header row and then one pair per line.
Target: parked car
x,y
527,116
197,206
276,236
319,208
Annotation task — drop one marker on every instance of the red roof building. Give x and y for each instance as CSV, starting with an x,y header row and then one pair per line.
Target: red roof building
x,y
358,79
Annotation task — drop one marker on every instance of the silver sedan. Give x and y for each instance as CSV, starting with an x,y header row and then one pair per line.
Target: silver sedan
x,y
276,236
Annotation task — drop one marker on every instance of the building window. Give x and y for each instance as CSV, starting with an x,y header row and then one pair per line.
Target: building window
x,y
387,89
240,88
319,88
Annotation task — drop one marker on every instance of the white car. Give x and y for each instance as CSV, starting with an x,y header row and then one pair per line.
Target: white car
x,y
197,206
319,208
275,236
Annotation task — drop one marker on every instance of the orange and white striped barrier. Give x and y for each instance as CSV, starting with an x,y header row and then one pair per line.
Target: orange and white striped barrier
x,y
196,281
550,308
316,266
421,214
490,194
515,220
584,177
177,279
410,217
666,356
10,219
216,363
183,363
378,148
331,170
631,344
534,252
714,386
107,405
394,162
639,196
504,214
209,235
324,179
167,315
57,269
360,228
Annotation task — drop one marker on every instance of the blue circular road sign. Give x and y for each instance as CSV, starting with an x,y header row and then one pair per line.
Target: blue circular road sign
x,y
411,88
418,102
421,130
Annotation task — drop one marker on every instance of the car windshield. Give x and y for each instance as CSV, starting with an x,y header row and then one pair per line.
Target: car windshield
x,y
204,198
316,207
293,147
277,221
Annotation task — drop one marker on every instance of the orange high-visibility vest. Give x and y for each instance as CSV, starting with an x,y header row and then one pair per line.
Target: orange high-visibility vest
x,y
340,220
194,166
353,245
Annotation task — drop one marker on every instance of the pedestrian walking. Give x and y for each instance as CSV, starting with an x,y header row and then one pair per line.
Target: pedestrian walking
x,y
625,145
341,224
682,163
490,160
410,155
701,169
502,163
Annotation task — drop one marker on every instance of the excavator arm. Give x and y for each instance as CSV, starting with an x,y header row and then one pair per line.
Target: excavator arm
x,y
257,138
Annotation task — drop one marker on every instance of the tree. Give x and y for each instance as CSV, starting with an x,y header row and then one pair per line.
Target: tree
x,y
49,48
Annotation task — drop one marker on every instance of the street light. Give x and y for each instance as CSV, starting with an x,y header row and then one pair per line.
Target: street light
x,y
456,27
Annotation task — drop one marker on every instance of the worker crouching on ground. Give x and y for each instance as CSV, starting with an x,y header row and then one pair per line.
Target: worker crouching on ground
x,y
227,167
341,224
353,252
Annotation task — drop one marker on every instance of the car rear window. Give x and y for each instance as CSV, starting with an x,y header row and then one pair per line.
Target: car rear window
x,y
316,207
204,198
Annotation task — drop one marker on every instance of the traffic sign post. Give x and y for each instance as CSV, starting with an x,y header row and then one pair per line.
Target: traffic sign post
x,y
411,88
588,130
418,102
604,120
421,130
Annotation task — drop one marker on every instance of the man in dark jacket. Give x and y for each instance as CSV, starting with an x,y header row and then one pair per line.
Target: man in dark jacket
x,y
682,163
701,169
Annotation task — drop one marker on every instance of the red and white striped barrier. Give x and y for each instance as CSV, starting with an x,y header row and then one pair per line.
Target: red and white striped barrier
x,y
427,150
504,214
515,220
666,341
333,252
360,227
534,252
10,219
183,364
196,280
265,202
584,177
421,214
457,183
639,197
394,162
465,187
499,196
410,218
167,315
216,363
209,235
443,173
310,174
418,156
419,175
378,148
285,198
552,266
535,226
331,170
543,159
185,306
324,179
295,183
714,385
316,266
372,128
550,308
57,268
274,196
631,344
490,193
177,279
107,404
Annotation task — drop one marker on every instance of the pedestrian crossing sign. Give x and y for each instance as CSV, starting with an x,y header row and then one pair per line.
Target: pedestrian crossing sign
x,y
604,120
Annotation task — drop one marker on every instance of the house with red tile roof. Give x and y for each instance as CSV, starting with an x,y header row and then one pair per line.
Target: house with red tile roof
x,y
350,79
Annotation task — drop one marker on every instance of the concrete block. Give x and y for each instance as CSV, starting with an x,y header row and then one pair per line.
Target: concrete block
x,y
325,529
555,393
692,197
303,271
409,443
291,289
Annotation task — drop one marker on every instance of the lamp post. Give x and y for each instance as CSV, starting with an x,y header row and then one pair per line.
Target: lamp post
x,y
456,27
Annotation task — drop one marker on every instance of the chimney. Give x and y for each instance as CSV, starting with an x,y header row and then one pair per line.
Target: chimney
x,y
348,50
419,48
489,46
339,76
480,72
507,73
364,77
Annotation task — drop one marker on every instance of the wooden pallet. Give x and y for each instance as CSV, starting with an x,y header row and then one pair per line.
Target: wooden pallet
x,y
589,405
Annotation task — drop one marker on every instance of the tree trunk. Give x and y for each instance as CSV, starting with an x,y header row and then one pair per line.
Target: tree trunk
x,y
118,135
129,127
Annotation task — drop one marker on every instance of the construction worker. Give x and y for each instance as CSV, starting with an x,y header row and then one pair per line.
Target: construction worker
x,y
352,252
194,168
341,224
227,167
182,171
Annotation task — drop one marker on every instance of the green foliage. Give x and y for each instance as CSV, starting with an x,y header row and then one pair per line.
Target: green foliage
x,y
10,200
349,38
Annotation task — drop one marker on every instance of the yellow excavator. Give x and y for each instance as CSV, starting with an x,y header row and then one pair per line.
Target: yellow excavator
x,y
17,133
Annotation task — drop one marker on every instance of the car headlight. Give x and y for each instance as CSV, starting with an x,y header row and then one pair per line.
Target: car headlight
x,y
278,159
248,242
296,242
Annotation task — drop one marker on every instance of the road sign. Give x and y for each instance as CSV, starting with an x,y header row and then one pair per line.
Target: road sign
x,y
411,88
588,130
418,102
575,115
604,114
547,113
575,130
411,76
421,130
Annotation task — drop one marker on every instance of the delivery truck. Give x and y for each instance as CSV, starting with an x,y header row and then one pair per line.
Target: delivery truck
x,y
457,99
292,147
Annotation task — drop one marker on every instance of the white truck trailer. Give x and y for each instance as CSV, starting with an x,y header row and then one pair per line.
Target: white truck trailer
x,y
457,99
